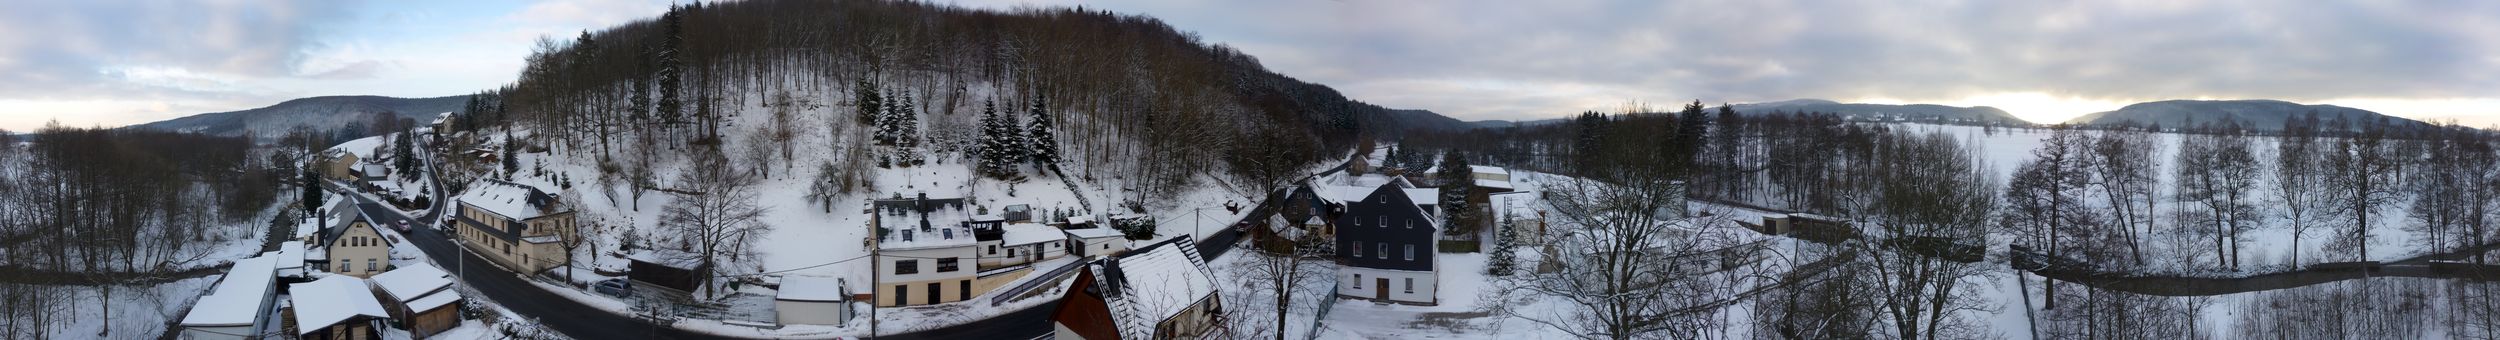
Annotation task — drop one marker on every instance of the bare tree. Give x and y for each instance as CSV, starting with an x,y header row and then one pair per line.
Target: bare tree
x,y
2299,186
2122,164
2362,176
2217,170
1932,199
1627,270
716,211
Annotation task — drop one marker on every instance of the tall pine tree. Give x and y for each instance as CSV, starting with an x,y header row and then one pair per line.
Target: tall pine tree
x,y
999,151
1041,141
1457,179
865,96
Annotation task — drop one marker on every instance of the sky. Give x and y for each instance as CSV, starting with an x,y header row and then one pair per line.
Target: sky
x,y
115,62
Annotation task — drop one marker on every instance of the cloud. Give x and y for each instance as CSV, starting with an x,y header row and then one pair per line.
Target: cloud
x,y
1550,53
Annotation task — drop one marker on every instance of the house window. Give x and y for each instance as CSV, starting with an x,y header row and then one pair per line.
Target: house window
x,y
1410,285
906,267
370,266
993,250
1410,252
1358,250
1358,281
946,264
345,266
1384,251
1383,221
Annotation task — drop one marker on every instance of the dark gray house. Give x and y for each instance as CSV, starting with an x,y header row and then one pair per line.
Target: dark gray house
x,y
1386,244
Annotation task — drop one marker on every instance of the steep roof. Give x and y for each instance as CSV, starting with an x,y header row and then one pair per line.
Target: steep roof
x,y
238,297
1155,283
331,300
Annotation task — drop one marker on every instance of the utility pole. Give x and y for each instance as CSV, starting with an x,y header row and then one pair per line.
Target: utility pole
x,y
874,259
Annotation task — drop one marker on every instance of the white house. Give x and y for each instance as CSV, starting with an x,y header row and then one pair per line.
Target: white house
x,y
1097,241
813,300
926,251
238,308
1022,243
1386,243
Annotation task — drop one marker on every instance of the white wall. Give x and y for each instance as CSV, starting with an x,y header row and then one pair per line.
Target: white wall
x,y
1427,284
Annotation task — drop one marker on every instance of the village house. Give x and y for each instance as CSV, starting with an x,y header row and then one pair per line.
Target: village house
x,y
336,307
420,296
238,308
1160,291
1386,242
925,251
353,247
337,165
1018,244
520,227
813,300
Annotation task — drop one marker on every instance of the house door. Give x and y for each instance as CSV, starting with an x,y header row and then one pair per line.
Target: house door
x,y
1383,286
933,293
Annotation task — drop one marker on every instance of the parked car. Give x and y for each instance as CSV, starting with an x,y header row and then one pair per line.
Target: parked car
x,y
403,225
614,287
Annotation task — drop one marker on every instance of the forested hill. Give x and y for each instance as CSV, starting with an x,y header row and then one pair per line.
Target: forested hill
x,y
2262,115
1121,87
325,114
1888,112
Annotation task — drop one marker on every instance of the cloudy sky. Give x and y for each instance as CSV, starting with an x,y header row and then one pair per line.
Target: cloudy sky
x,y
103,63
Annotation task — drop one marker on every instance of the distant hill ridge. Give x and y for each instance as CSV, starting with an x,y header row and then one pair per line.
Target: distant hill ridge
x,y
2259,114
325,113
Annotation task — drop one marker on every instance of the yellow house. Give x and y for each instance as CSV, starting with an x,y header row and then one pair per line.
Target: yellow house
x,y
519,227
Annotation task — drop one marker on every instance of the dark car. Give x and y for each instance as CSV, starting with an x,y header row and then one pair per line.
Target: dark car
x,y
614,287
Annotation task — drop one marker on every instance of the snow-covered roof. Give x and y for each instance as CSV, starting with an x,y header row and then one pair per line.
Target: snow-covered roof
x,y
1423,196
1080,219
412,281
1488,170
512,200
238,298
1341,194
919,223
1029,233
1093,233
1505,205
1158,282
431,301
331,300
290,255
1487,183
360,146
542,239
811,288
375,170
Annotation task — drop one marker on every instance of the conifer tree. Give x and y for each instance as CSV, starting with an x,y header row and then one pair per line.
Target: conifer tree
x,y
1457,179
1041,141
1502,262
999,150
868,102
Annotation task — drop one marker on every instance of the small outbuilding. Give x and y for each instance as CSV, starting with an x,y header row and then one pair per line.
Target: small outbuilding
x,y
813,300
421,297
336,307
239,306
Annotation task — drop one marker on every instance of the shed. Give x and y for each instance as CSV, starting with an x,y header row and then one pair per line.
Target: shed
x,y
421,296
336,307
666,269
813,300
